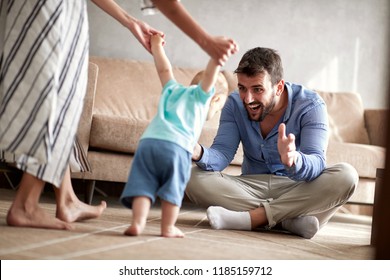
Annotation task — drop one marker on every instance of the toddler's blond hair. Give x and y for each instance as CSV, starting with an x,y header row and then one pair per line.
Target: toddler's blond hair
x,y
221,85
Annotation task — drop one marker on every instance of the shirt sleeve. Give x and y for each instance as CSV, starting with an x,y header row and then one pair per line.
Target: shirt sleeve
x,y
169,86
225,145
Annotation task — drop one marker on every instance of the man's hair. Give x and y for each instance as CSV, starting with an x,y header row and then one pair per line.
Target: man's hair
x,y
258,60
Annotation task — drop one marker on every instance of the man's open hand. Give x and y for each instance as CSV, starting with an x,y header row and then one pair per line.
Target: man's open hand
x,y
286,146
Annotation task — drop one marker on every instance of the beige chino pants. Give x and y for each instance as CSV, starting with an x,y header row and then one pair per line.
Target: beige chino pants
x,y
281,197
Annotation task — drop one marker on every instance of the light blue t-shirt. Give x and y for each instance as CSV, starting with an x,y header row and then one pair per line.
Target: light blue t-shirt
x,y
181,114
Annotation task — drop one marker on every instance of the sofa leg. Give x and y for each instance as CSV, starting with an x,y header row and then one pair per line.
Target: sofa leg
x,y
89,190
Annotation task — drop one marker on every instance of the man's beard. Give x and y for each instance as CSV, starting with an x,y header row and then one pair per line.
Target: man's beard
x,y
265,110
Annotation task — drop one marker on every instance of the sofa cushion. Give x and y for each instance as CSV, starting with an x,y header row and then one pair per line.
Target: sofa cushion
x,y
121,134
346,117
131,89
365,158
116,133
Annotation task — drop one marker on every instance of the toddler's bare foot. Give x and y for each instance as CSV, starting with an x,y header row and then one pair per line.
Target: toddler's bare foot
x,y
77,211
34,217
135,229
172,231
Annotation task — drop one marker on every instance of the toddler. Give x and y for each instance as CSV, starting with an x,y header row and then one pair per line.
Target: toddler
x,y
162,163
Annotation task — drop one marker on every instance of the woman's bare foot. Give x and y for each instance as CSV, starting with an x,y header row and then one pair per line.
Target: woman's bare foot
x,y
69,208
171,231
135,229
34,217
25,210
75,210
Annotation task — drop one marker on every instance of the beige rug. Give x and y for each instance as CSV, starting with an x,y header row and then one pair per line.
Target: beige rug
x,y
346,237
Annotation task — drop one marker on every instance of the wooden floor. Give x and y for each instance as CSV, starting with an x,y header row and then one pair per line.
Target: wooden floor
x,y
346,237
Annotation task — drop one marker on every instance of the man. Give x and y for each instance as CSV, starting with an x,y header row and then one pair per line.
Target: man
x,y
283,129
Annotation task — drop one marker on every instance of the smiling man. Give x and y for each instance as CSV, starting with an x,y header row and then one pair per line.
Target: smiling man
x,y
283,129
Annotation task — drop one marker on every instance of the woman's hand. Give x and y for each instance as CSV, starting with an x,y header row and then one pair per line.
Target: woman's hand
x,y
143,32
219,48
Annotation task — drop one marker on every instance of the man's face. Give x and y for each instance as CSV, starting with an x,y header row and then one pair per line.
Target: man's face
x,y
258,95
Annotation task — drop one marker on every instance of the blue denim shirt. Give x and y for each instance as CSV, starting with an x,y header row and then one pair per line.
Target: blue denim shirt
x,y
305,117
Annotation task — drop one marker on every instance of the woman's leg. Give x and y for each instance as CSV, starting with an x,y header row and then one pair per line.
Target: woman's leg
x,y
25,210
70,208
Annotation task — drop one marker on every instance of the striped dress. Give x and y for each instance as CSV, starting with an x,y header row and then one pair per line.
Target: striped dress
x,y
43,75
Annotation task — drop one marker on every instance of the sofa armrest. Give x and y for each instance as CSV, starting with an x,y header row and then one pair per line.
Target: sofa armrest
x,y
365,158
85,123
375,121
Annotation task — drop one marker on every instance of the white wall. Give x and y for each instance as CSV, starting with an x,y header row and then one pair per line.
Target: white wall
x,y
336,45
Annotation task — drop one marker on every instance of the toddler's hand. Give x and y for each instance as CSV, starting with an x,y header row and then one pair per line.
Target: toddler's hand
x,y
157,39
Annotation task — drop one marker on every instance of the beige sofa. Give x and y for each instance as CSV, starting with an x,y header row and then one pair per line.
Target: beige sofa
x,y
122,99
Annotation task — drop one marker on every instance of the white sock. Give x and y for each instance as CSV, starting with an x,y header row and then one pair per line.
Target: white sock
x,y
221,218
305,226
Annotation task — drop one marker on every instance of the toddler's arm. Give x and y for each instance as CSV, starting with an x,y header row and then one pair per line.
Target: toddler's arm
x,y
163,65
210,75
